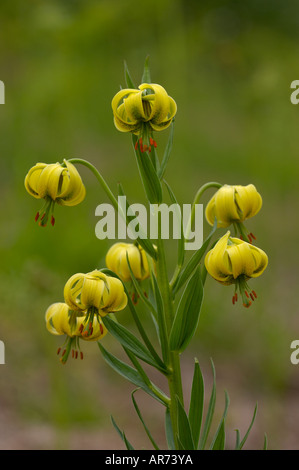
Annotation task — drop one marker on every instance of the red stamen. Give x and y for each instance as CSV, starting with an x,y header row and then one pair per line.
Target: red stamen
x,y
52,221
254,293
36,217
136,145
81,355
64,351
58,351
234,300
81,328
76,354
101,329
43,216
246,293
251,296
252,236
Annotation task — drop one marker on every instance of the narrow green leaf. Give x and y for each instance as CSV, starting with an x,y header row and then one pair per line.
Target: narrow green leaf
x,y
146,77
167,152
122,435
128,340
142,421
219,442
219,437
168,430
210,413
184,430
162,329
187,314
139,324
127,372
196,403
128,78
237,439
265,442
181,241
193,262
148,175
241,444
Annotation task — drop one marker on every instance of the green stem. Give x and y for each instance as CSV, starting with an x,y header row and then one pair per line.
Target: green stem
x,y
174,378
99,178
196,200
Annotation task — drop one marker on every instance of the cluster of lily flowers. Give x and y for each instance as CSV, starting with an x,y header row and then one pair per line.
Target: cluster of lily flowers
x,y
89,297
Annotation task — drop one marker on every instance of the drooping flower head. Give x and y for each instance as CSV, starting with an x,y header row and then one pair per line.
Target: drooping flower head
x,y
142,111
94,294
233,205
122,255
61,320
55,183
234,261
117,261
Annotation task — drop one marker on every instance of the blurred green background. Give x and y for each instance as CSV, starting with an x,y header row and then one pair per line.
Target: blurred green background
x,y
229,66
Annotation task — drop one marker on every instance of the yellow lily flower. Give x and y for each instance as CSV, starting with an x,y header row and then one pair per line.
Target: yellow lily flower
x,y
234,261
233,205
95,293
143,110
61,320
116,261
55,183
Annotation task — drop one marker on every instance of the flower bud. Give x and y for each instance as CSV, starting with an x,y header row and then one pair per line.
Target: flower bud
x,y
116,261
234,261
233,204
95,291
55,183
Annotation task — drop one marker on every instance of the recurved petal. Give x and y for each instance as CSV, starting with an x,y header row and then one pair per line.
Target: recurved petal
x,y
31,179
160,103
261,261
117,299
134,107
217,262
48,182
241,259
72,290
248,200
71,190
92,292
117,99
124,126
225,208
57,319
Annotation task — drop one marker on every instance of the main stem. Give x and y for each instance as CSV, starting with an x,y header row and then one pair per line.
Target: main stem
x,y
173,359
